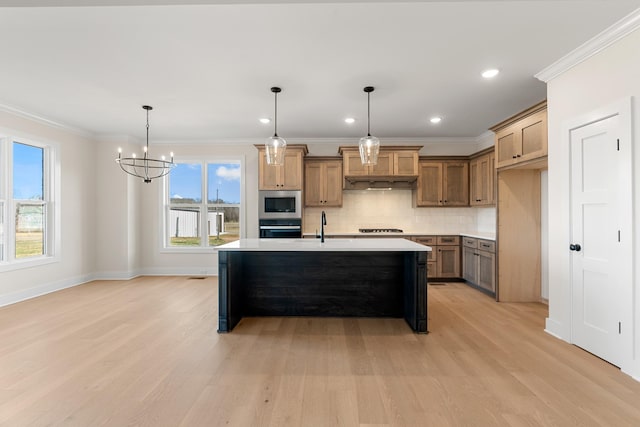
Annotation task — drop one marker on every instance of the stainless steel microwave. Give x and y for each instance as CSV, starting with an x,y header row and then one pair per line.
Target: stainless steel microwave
x,y
275,204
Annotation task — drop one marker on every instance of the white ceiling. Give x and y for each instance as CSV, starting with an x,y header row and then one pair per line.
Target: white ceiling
x,y
206,66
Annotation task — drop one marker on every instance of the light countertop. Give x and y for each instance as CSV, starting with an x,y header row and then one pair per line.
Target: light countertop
x,y
476,234
354,245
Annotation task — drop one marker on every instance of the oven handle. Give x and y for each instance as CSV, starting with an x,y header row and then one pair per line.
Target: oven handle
x,y
279,227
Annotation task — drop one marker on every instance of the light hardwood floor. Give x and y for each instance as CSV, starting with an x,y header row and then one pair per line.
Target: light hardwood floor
x,y
146,352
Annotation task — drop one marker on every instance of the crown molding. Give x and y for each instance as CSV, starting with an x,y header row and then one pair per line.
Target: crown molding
x,y
327,141
45,121
606,38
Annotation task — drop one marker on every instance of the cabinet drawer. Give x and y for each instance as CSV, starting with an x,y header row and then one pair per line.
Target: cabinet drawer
x,y
487,245
470,242
426,240
449,240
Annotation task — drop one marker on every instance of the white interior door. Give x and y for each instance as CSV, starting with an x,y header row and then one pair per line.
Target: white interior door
x,y
598,260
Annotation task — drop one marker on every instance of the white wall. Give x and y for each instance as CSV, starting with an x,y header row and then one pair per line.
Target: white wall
x,y
609,76
77,260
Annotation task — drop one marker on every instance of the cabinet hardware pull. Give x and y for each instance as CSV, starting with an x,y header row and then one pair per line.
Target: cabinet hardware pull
x,y
518,155
514,156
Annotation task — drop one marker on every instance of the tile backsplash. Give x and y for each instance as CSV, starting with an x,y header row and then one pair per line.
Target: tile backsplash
x,y
395,209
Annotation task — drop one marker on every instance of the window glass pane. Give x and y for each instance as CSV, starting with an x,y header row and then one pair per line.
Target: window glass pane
x,y
223,224
29,230
184,226
185,183
28,168
223,196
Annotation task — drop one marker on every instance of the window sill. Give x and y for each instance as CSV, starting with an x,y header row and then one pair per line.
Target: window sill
x,y
187,250
27,263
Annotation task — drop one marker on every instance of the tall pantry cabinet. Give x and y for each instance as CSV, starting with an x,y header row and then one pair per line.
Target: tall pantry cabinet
x,y
521,155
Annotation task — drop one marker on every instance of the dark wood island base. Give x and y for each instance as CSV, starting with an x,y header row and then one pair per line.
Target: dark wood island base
x,y
322,284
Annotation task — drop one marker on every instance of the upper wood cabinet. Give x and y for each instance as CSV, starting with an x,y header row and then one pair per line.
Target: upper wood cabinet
x,y
482,176
522,138
323,181
286,177
392,161
442,183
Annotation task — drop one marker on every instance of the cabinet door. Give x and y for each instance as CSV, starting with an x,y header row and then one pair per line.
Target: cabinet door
x,y
474,185
291,171
313,191
481,173
384,166
455,190
448,259
533,137
333,183
432,269
469,265
267,174
353,165
405,163
507,146
429,186
486,270
492,178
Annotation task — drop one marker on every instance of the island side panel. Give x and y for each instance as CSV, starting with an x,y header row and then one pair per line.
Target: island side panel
x,y
415,291
362,284
230,290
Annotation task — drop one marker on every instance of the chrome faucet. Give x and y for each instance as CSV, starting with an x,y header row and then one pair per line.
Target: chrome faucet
x,y
323,222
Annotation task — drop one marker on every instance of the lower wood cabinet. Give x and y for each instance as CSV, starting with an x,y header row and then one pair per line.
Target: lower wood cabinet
x,y
443,261
479,263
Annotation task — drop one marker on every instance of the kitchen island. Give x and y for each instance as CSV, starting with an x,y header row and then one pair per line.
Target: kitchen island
x,y
336,278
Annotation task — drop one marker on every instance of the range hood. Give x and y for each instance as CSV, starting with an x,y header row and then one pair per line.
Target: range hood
x,y
407,182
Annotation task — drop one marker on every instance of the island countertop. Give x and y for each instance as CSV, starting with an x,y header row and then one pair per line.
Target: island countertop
x,y
329,245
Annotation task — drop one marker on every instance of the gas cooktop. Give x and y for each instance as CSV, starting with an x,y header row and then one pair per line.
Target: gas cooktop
x,y
380,230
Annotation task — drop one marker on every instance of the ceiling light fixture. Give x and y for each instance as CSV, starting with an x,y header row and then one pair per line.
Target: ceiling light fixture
x,y
146,167
265,121
349,120
435,120
491,73
275,145
369,145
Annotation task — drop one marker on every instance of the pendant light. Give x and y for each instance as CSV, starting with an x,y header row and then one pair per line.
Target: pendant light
x,y
369,145
145,167
275,146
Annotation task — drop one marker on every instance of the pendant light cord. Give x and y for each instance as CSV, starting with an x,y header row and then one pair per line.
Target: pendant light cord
x,y
275,121
147,132
368,113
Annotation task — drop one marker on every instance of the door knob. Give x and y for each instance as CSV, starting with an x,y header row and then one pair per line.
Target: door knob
x,y
575,247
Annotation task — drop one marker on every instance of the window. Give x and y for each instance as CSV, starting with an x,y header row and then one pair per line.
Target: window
x,y
203,200
26,200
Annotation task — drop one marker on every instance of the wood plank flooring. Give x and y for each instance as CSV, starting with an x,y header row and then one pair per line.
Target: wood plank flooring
x,y
145,352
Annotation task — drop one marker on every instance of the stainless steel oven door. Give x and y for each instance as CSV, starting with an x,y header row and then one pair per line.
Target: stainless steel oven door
x,y
274,204
280,232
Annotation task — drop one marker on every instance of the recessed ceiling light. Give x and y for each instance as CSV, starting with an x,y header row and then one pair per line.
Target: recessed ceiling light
x,y
435,120
349,120
488,74
265,120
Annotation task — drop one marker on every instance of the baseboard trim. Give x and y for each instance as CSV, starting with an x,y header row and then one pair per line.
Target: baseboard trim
x,y
43,289
554,328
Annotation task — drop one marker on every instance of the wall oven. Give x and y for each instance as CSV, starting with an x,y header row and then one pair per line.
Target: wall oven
x,y
279,204
281,228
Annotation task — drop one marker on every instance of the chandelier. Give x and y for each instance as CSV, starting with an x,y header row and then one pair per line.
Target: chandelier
x,y
275,145
369,145
145,167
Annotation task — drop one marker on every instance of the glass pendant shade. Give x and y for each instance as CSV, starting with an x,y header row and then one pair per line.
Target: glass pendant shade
x,y
369,145
369,150
275,146
274,150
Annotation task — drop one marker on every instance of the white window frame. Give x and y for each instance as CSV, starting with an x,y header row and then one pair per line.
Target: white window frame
x,y
51,196
202,206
